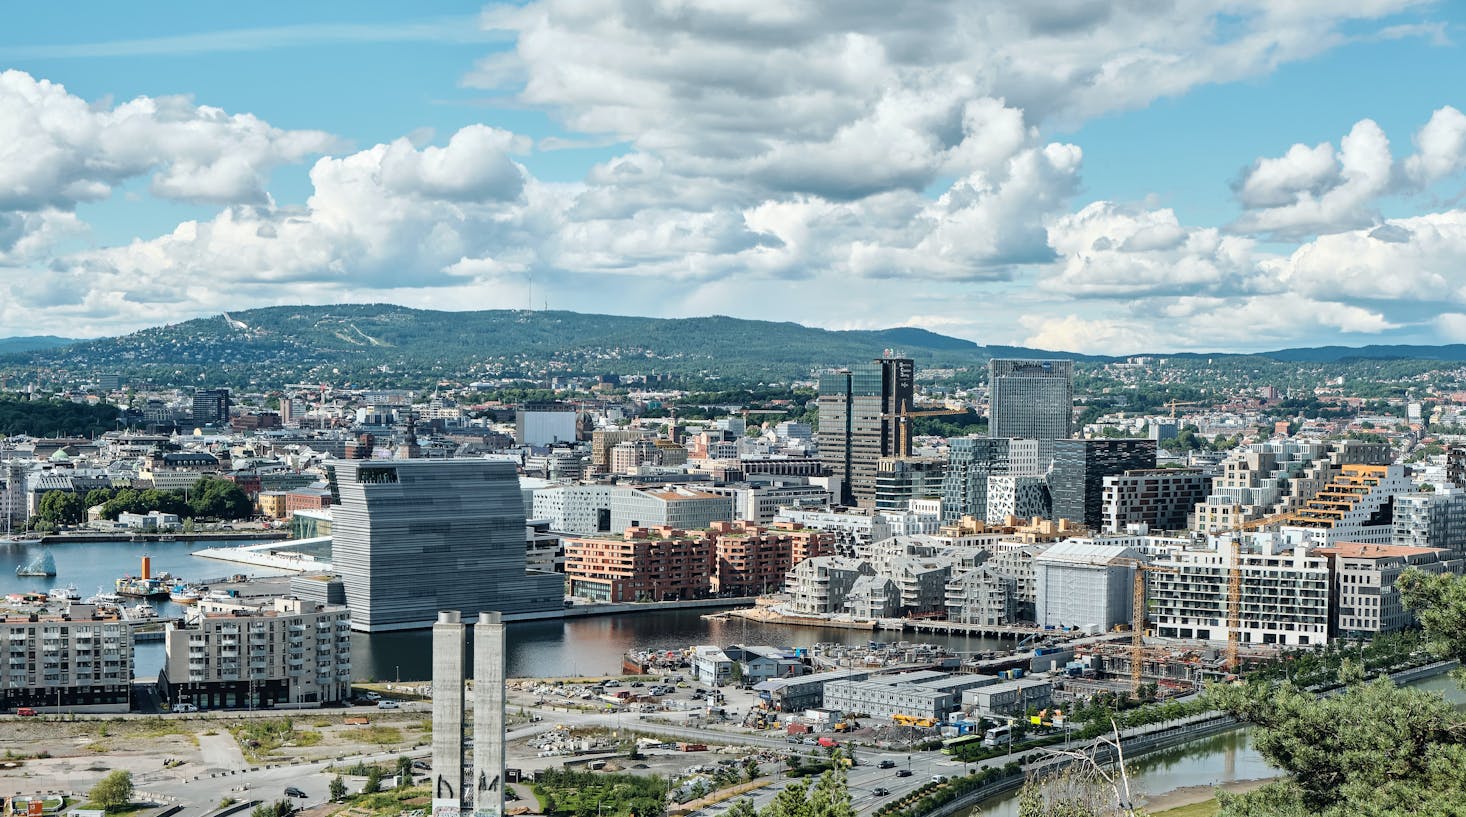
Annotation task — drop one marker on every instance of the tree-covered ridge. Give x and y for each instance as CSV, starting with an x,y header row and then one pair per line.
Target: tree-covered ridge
x,y
375,344
51,418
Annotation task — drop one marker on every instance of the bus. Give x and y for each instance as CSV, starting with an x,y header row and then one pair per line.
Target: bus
x,y
950,746
998,736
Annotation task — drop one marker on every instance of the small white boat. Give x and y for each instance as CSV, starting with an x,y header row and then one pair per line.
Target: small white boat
x,y
142,611
67,593
182,594
105,596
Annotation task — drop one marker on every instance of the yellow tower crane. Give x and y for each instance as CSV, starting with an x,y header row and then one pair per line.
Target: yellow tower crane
x,y
1234,583
1172,404
1137,618
903,415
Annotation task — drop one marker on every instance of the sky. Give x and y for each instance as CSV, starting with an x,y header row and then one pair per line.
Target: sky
x,y
1098,176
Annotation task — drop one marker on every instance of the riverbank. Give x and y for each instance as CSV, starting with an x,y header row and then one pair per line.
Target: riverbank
x,y
1199,801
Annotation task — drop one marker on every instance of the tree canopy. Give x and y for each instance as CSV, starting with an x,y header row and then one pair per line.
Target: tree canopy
x,y
1372,749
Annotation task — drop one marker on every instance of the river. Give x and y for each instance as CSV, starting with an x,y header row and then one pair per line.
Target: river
x,y
581,646
1209,762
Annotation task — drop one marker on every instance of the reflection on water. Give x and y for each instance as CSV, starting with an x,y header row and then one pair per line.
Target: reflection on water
x,y
1209,761
594,645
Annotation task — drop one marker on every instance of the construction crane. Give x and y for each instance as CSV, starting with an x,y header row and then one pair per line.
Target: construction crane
x,y
903,415
1234,582
1172,404
1137,618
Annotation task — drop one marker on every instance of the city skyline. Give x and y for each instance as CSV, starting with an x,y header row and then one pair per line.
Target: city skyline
x,y
1100,177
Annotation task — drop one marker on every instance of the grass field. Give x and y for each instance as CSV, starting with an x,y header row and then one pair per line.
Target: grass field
x,y
1203,809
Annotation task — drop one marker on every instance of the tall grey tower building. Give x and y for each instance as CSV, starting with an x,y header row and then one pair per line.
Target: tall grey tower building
x,y
857,427
412,537
1031,399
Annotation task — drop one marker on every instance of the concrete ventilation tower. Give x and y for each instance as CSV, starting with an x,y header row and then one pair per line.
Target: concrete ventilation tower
x,y
448,660
488,716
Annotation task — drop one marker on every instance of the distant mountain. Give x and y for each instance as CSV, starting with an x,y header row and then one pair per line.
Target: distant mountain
x,y
31,343
376,344
1335,354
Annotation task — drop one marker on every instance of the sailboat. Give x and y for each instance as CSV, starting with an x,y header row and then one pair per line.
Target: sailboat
x,y
42,565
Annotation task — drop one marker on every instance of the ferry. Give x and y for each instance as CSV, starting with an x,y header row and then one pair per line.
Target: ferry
x,y
146,586
67,593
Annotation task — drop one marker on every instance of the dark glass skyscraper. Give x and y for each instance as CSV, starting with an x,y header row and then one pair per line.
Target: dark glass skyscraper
x,y
1077,480
857,426
210,407
971,461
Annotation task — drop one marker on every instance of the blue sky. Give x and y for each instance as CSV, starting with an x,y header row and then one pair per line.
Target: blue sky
x,y
1112,180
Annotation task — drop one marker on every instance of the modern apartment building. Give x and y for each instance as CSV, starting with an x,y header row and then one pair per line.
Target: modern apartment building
x,y
982,596
643,564
857,408
1160,498
1278,476
1285,595
1020,497
822,584
76,662
668,506
1366,602
1076,482
751,560
412,537
1432,519
1357,505
577,509
759,503
971,461
238,655
1031,399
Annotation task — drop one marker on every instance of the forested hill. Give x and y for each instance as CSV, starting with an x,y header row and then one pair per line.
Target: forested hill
x,y
374,344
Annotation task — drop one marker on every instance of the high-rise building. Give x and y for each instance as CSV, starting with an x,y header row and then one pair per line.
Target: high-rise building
x,y
210,407
541,424
1160,498
1076,482
1031,399
971,461
857,425
412,537
1432,519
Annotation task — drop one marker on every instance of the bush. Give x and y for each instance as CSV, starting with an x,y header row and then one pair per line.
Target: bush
x,y
113,791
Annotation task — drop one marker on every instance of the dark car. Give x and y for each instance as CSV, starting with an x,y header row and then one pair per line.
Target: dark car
x,y
880,791
904,773
291,791
887,764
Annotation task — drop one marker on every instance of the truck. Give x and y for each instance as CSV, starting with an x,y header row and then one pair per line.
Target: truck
x,y
828,742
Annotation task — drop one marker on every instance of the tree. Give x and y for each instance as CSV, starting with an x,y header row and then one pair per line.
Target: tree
x,y
750,768
62,508
338,788
1373,749
113,791
404,771
742,807
373,782
219,499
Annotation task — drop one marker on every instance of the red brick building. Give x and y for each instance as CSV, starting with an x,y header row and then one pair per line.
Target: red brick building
x,y
657,564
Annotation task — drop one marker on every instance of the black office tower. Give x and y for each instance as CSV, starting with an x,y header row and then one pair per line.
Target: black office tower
x,y
1077,480
210,407
858,423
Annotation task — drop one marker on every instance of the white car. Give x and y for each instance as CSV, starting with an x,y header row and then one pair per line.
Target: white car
x,y
182,707
388,705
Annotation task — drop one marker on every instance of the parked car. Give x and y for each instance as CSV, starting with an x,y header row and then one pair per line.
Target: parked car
x,y
388,705
903,773
887,764
185,707
291,791
373,696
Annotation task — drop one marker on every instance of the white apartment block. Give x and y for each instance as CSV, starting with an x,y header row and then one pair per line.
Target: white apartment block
x,y
1278,476
78,662
1435,519
982,596
820,585
1367,602
578,509
1285,594
235,655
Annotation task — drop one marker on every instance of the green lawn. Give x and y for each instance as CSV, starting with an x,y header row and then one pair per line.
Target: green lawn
x,y
1207,808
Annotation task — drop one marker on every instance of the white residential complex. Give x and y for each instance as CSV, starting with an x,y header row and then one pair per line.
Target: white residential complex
x,y
239,655
1285,595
